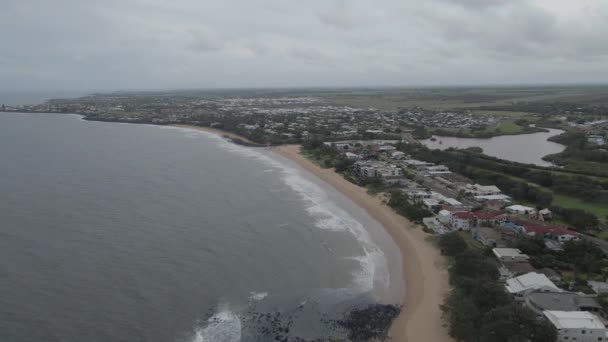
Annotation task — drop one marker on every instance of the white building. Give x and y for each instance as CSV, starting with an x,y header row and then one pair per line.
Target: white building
x,y
579,326
520,209
520,286
509,255
444,217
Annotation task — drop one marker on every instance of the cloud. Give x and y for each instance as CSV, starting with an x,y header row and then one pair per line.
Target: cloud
x,y
339,15
203,43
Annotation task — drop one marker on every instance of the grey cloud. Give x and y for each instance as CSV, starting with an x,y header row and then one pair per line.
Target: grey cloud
x,y
204,43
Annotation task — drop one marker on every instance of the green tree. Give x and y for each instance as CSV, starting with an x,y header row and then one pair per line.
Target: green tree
x,y
452,244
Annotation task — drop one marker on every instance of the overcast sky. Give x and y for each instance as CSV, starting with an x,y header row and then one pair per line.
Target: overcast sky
x,y
147,44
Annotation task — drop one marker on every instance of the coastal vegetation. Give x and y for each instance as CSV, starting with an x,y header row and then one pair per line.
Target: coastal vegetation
x,y
414,211
477,308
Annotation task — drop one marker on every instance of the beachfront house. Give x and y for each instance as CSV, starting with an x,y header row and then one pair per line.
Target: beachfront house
x,y
579,326
520,286
465,220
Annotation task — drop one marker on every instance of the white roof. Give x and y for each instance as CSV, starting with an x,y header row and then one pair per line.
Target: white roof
x,y
530,281
509,253
444,212
492,188
574,320
452,201
518,207
493,197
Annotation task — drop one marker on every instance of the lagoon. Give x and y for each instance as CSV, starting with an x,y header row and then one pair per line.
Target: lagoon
x,y
523,148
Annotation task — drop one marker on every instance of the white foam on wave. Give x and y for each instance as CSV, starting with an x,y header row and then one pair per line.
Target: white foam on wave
x,y
257,296
224,326
328,215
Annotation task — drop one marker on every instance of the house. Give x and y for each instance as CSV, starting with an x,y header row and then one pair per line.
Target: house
x,y
352,156
553,245
546,214
560,234
462,220
489,237
520,210
371,169
487,198
511,269
560,301
579,326
509,255
480,190
520,286
444,216
598,287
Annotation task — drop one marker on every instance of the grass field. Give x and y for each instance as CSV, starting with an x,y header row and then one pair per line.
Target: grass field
x,y
601,211
456,98
502,113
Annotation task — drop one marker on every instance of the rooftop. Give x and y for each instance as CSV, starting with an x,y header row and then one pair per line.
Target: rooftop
x,y
512,253
530,281
561,301
574,320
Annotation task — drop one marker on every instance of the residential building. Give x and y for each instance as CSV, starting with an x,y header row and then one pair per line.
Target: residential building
x,y
559,234
509,255
579,326
489,237
520,286
520,210
512,269
560,301
464,220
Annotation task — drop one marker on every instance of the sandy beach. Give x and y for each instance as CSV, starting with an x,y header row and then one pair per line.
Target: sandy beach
x,y
425,276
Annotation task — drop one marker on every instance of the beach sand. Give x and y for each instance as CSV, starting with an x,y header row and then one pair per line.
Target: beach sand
x,y
424,271
426,278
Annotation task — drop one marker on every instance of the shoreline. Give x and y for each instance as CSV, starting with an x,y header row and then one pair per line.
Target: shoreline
x,y
423,269
237,139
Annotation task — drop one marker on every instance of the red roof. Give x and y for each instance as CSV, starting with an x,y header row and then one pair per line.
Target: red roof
x,y
464,215
542,230
487,216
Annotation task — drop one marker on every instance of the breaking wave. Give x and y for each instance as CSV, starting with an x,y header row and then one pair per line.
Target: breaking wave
x,y
224,326
328,215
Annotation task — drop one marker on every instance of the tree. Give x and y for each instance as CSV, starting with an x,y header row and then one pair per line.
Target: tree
x,y
515,323
452,244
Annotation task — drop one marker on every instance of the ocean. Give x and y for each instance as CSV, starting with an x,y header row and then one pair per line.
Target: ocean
x,y
122,232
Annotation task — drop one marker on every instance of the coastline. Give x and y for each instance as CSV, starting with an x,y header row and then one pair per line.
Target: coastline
x,y
422,265
235,137
425,276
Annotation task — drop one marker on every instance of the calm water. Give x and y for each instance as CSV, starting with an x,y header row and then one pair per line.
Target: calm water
x,y
117,232
524,148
